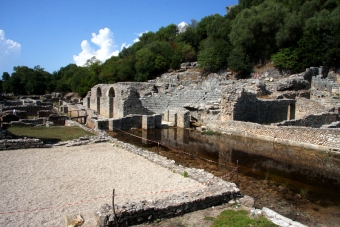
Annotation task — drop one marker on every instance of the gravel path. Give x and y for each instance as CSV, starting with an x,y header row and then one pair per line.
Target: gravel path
x,y
50,178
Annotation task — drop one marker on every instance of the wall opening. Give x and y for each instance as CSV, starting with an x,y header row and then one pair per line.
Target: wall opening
x,y
99,95
111,102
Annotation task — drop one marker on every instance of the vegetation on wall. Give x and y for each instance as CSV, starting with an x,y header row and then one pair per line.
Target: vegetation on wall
x,y
293,34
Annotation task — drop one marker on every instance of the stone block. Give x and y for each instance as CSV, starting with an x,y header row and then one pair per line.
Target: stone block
x,y
114,124
173,117
148,122
183,119
166,115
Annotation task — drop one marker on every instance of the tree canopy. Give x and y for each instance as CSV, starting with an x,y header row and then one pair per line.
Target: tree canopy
x,y
294,34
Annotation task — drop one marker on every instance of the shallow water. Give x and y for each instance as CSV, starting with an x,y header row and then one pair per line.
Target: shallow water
x,y
297,183
303,172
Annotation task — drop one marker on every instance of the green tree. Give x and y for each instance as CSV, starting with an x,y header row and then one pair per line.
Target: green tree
x,y
291,31
320,43
144,64
214,54
254,29
286,58
6,88
239,61
167,33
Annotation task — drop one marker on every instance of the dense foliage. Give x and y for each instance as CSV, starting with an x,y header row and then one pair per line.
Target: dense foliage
x,y
294,34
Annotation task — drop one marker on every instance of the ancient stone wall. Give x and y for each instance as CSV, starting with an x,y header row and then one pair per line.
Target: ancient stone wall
x,y
11,144
224,146
118,100
321,139
31,110
135,121
305,107
217,192
314,121
240,105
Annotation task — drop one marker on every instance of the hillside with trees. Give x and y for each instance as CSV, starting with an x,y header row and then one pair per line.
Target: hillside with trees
x,y
293,34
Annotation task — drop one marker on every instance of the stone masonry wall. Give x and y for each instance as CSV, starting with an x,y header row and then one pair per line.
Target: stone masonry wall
x,y
305,107
11,144
31,110
216,192
240,105
314,121
322,139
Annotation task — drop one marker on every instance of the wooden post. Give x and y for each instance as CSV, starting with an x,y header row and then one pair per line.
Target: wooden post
x,y
113,207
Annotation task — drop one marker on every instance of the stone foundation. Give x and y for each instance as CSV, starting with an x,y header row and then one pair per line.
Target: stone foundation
x,y
217,192
310,138
12,144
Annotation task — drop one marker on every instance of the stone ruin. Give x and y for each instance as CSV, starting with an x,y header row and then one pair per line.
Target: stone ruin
x,y
41,108
191,98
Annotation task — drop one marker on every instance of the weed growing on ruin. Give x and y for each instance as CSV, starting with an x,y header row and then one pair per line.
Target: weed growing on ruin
x,y
304,192
209,218
238,218
210,133
185,174
267,175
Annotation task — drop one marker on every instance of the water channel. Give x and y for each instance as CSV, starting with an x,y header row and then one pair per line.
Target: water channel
x,y
275,175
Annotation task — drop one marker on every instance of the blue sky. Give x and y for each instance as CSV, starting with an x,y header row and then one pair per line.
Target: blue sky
x,y
55,33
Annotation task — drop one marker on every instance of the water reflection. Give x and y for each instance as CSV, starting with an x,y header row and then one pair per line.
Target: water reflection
x,y
300,168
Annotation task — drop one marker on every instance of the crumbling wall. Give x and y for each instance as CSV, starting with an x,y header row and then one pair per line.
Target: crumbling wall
x,y
240,105
11,144
31,110
316,138
305,107
314,121
118,100
135,121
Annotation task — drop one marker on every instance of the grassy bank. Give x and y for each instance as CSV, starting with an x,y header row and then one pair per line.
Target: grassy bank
x,y
53,134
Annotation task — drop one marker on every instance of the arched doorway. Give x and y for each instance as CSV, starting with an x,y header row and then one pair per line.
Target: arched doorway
x,y
111,102
99,95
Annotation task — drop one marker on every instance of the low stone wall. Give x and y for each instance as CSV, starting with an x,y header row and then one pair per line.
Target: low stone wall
x,y
12,144
37,121
178,117
217,192
135,121
314,121
31,110
310,138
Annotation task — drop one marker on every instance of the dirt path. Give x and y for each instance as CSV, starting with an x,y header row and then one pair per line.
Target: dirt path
x,y
54,180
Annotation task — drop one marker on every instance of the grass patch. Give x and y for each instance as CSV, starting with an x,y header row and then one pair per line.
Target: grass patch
x,y
210,133
53,134
209,218
240,218
185,174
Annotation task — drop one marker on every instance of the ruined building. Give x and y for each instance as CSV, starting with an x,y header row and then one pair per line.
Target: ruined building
x,y
216,100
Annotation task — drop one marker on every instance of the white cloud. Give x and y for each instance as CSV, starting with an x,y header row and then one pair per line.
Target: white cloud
x,y
139,35
9,52
107,48
124,45
182,27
